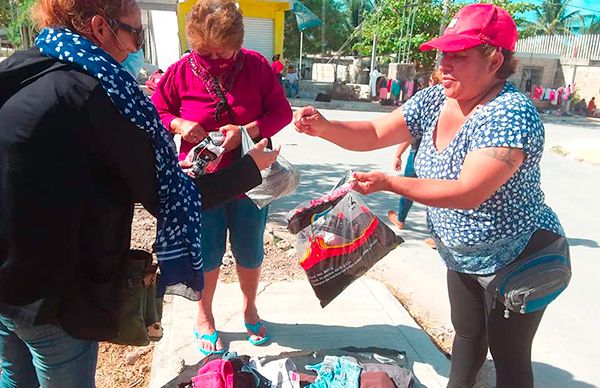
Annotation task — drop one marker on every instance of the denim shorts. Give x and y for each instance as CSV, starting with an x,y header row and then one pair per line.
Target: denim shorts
x,y
246,226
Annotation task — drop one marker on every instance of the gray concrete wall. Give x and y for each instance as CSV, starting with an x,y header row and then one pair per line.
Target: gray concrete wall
x,y
587,81
585,75
548,65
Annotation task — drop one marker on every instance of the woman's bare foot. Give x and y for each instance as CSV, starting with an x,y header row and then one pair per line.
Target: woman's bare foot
x,y
393,217
208,328
251,317
430,243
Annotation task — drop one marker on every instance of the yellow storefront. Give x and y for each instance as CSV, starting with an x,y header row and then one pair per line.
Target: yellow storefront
x,y
263,24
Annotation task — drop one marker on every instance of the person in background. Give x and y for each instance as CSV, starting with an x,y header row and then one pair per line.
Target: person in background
x,y
80,144
591,108
277,67
404,204
292,82
221,86
478,169
581,107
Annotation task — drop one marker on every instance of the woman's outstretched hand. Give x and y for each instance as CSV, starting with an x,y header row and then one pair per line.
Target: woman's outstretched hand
x,y
262,156
370,182
308,120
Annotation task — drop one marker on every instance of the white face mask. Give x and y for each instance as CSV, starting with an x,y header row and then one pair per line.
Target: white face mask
x,y
134,62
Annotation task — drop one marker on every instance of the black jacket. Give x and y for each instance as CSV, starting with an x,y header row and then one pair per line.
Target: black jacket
x,y
71,169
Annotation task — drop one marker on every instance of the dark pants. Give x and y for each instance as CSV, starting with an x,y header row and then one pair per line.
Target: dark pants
x,y
478,326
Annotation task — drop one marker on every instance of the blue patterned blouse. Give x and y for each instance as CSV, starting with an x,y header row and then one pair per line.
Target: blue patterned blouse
x,y
484,239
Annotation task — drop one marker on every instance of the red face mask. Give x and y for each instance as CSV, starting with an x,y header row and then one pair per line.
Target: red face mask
x,y
216,67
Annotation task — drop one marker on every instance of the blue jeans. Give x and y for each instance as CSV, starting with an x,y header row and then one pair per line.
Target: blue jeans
x,y
409,171
45,356
293,87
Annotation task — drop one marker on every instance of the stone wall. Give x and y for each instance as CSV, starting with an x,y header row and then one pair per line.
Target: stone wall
x,y
338,91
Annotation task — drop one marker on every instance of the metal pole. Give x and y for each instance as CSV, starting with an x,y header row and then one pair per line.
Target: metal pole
x,y
300,59
410,34
402,32
323,14
373,52
443,23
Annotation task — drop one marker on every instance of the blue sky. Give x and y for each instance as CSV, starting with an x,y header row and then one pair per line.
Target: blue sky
x,y
584,6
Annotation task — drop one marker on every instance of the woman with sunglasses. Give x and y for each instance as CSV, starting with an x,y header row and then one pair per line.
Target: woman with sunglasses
x,y
79,145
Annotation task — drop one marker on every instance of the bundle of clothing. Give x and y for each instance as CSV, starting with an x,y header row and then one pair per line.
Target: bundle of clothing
x,y
555,96
334,368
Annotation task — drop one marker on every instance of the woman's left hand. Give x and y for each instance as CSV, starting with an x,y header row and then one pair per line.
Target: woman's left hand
x,y
370,182
233,136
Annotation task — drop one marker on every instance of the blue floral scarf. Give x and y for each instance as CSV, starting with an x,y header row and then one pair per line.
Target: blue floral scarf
x,y
178,223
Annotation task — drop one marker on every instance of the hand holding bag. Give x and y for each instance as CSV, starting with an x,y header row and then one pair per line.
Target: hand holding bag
x,y
278,180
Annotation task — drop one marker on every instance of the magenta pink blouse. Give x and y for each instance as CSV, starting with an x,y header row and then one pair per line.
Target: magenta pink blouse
x,y
255,95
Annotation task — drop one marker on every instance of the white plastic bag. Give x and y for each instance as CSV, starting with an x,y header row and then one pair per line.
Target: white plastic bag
x,y
278,180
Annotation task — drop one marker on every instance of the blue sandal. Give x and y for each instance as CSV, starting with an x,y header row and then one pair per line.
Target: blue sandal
x,y
212,338
255,329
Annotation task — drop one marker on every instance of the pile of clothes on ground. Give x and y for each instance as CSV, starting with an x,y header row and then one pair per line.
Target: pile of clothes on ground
x,y
333,368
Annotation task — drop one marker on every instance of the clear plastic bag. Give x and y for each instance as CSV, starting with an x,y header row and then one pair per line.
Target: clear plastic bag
x,y
279,180
342,240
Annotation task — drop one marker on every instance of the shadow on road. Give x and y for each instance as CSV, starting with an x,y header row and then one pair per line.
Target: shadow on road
x,y
584,242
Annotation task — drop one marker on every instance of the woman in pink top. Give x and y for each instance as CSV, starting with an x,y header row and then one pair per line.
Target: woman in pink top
x,y
277,67
220,86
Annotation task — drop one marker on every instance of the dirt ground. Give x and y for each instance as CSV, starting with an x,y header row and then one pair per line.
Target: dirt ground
x,y
128,366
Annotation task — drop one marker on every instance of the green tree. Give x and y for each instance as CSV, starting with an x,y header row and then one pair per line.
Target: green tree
x,y
391,27
4,14
20,29
337,29
552,18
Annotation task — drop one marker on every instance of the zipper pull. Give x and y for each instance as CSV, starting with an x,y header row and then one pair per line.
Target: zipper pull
x,y
523,306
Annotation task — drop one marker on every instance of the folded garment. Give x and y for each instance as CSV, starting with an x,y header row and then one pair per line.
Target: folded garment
x,y
336,372
401,377
375,380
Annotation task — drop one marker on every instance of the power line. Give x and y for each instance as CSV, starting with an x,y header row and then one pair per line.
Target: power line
x,y
583,8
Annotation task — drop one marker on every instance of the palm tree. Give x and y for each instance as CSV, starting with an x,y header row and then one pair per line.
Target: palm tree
x,y
358,10
552,18
590,24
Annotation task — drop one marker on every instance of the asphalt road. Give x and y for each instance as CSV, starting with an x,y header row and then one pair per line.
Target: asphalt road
x,y
565,348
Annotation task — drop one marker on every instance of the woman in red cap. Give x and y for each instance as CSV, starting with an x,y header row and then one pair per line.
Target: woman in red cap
x,y
478,170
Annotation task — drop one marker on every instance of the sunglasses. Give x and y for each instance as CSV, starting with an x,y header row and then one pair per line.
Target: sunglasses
x,y
137,32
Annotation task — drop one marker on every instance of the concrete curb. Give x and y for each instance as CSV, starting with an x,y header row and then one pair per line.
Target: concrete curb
x,y
342,105
588,153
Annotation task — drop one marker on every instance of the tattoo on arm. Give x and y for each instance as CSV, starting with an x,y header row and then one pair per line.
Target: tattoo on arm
x,y
505,155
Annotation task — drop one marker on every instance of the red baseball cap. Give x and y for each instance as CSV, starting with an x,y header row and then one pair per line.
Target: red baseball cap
x,y
477,24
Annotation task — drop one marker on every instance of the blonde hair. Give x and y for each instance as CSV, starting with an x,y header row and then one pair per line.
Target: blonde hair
x,y
215,23
508,67
436,77
77,14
